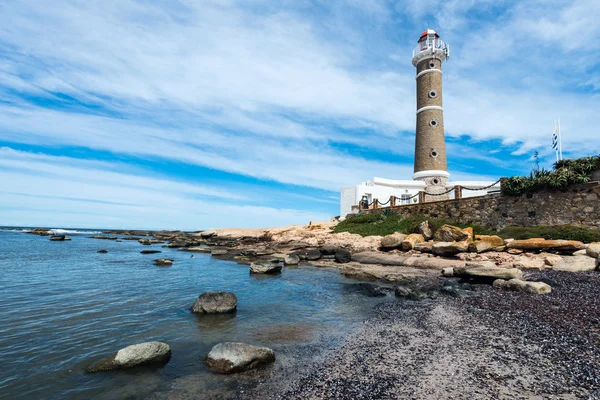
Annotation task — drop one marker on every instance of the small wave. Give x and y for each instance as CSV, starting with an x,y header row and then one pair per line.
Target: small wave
x,y
73,232
21,230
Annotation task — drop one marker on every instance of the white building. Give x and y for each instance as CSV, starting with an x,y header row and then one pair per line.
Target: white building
x,y
405,191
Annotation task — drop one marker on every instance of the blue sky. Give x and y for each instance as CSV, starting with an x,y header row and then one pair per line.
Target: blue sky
x,y
253,113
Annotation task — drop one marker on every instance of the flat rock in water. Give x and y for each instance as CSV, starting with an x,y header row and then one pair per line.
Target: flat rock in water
x,y
149,251
218,252
205,249
59,238
102,251
575,264
133,356
163,262
265,267
231,357
215,303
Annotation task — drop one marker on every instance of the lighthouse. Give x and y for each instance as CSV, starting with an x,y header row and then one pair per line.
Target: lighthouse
x,y
430,145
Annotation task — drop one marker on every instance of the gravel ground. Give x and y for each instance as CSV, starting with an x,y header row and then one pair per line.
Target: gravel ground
x,y
499,345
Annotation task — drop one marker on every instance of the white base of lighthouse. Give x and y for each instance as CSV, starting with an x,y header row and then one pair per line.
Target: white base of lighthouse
x,y
435,184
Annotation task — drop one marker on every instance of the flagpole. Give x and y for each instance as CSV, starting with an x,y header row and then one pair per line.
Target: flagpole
x,y
559,140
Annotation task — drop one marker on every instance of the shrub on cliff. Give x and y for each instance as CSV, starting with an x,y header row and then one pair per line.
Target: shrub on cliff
x,y
564,173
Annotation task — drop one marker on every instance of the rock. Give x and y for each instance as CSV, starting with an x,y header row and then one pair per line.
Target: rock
x,y
163,262
207,234
133,356
343,256
575,264
449,248
580,252
265,267
369,289
102,251
485,243
150,251
456,289
431,263
40,231
564,246
598,263
552,259
218,252
448,272
530,263
411,240
393,241
514,251
313,255
215,303
593,250
401,291
519,285
205,249
231,357
487,272
58,238
371,257
291,259
425,247
425,228
449,233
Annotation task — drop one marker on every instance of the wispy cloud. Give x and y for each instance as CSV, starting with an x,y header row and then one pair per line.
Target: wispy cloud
x,y
308,95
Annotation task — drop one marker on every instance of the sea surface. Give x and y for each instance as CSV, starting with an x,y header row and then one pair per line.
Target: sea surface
x,y
64,306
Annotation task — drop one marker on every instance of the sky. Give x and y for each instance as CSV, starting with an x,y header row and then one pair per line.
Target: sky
x,y
201,114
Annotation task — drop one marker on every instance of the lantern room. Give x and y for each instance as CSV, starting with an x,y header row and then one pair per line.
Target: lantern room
x,y
430,46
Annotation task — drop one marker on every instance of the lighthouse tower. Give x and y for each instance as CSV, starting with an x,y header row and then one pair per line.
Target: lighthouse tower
x,y
430,146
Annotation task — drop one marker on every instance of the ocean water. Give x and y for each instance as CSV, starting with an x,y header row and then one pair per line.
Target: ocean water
x,y
64,306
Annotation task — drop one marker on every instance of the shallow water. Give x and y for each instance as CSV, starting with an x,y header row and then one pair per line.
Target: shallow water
x,y
64,306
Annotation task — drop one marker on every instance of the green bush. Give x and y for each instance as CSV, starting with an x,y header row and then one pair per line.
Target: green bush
x,y
566,232
382,224
564,173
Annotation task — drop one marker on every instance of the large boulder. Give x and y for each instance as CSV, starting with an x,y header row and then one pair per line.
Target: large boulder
x,y
563,246
449,233
485,243
593,250
228,357
425,228
291,259
411,240
446,249
343,256
215,303
520,285
313,255
393,241
487,272
575,264
265,267
133,356
425,247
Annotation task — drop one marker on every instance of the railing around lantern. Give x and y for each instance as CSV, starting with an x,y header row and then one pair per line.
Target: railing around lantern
x,y
438,44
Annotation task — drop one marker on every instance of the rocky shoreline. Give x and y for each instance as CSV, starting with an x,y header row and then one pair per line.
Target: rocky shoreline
x,y
494,318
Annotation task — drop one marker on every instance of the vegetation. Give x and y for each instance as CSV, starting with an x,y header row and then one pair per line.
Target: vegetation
x,y
386,223
564,173
566,232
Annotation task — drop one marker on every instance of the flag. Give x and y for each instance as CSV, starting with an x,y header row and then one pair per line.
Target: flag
x,y
555,139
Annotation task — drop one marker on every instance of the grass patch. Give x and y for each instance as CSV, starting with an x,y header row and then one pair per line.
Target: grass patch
x,y
382,224
565,232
